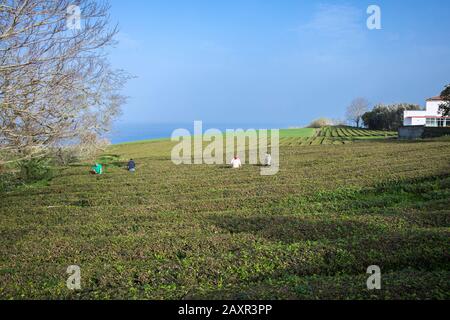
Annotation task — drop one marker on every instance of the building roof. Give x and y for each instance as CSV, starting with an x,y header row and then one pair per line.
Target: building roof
x,y
437,98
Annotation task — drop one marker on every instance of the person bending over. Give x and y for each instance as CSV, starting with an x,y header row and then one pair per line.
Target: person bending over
x,y
236,163
131,166
97,169
268,160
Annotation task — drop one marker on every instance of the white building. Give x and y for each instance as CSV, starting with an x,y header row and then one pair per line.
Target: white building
x,y
431,117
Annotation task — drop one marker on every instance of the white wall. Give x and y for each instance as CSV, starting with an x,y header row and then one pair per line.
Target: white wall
x,y
410,120
418,118
419,121
433,108
416,114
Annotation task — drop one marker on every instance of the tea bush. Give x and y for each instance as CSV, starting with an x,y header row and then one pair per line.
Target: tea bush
x,y
177,232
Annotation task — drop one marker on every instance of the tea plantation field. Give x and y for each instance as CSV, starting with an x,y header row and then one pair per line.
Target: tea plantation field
x,y
331,135
339,205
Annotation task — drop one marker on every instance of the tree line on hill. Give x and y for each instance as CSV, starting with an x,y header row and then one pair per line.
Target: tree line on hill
x,y
387,117
391,117
381,117
56,85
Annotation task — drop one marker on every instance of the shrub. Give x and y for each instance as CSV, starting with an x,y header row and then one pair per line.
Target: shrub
x,y
320,123
7,180
35,169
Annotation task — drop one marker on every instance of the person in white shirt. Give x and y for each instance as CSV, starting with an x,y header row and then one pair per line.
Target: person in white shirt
x,y
268,160
236,163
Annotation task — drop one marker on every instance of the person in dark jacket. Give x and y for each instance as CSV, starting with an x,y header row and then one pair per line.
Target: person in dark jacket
x,y
131,166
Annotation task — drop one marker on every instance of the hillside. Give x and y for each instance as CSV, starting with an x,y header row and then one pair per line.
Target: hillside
x,y
175,232
331,135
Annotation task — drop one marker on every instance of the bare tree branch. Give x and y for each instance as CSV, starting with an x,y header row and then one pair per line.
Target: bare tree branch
x,y
55,84
356,110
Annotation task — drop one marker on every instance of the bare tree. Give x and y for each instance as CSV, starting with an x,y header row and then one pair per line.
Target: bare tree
x,y
356,110
55,82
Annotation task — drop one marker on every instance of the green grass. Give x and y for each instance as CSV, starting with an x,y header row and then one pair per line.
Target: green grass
x,y
308,136
284,133
332,136
297,133
207,232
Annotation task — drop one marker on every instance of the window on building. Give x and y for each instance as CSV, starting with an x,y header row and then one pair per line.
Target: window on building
x,y
438,122
442,122
432,122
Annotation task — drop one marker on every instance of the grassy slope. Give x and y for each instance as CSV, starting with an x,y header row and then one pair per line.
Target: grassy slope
x,y
327,135
208,232
284,133
298,133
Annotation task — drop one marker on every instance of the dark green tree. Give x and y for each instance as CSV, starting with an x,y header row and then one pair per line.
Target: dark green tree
x,y
387,117
445,107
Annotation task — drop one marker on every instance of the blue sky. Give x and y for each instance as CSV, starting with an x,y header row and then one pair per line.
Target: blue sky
x,y
275,62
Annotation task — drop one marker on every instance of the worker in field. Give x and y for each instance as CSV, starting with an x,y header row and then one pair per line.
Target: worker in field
x,y
97,169
268,160
236,163
131,166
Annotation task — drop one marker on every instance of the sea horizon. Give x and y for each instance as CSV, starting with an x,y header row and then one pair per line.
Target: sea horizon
x,y
123,132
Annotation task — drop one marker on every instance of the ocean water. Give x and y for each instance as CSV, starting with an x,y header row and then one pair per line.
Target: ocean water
x,y
129,132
